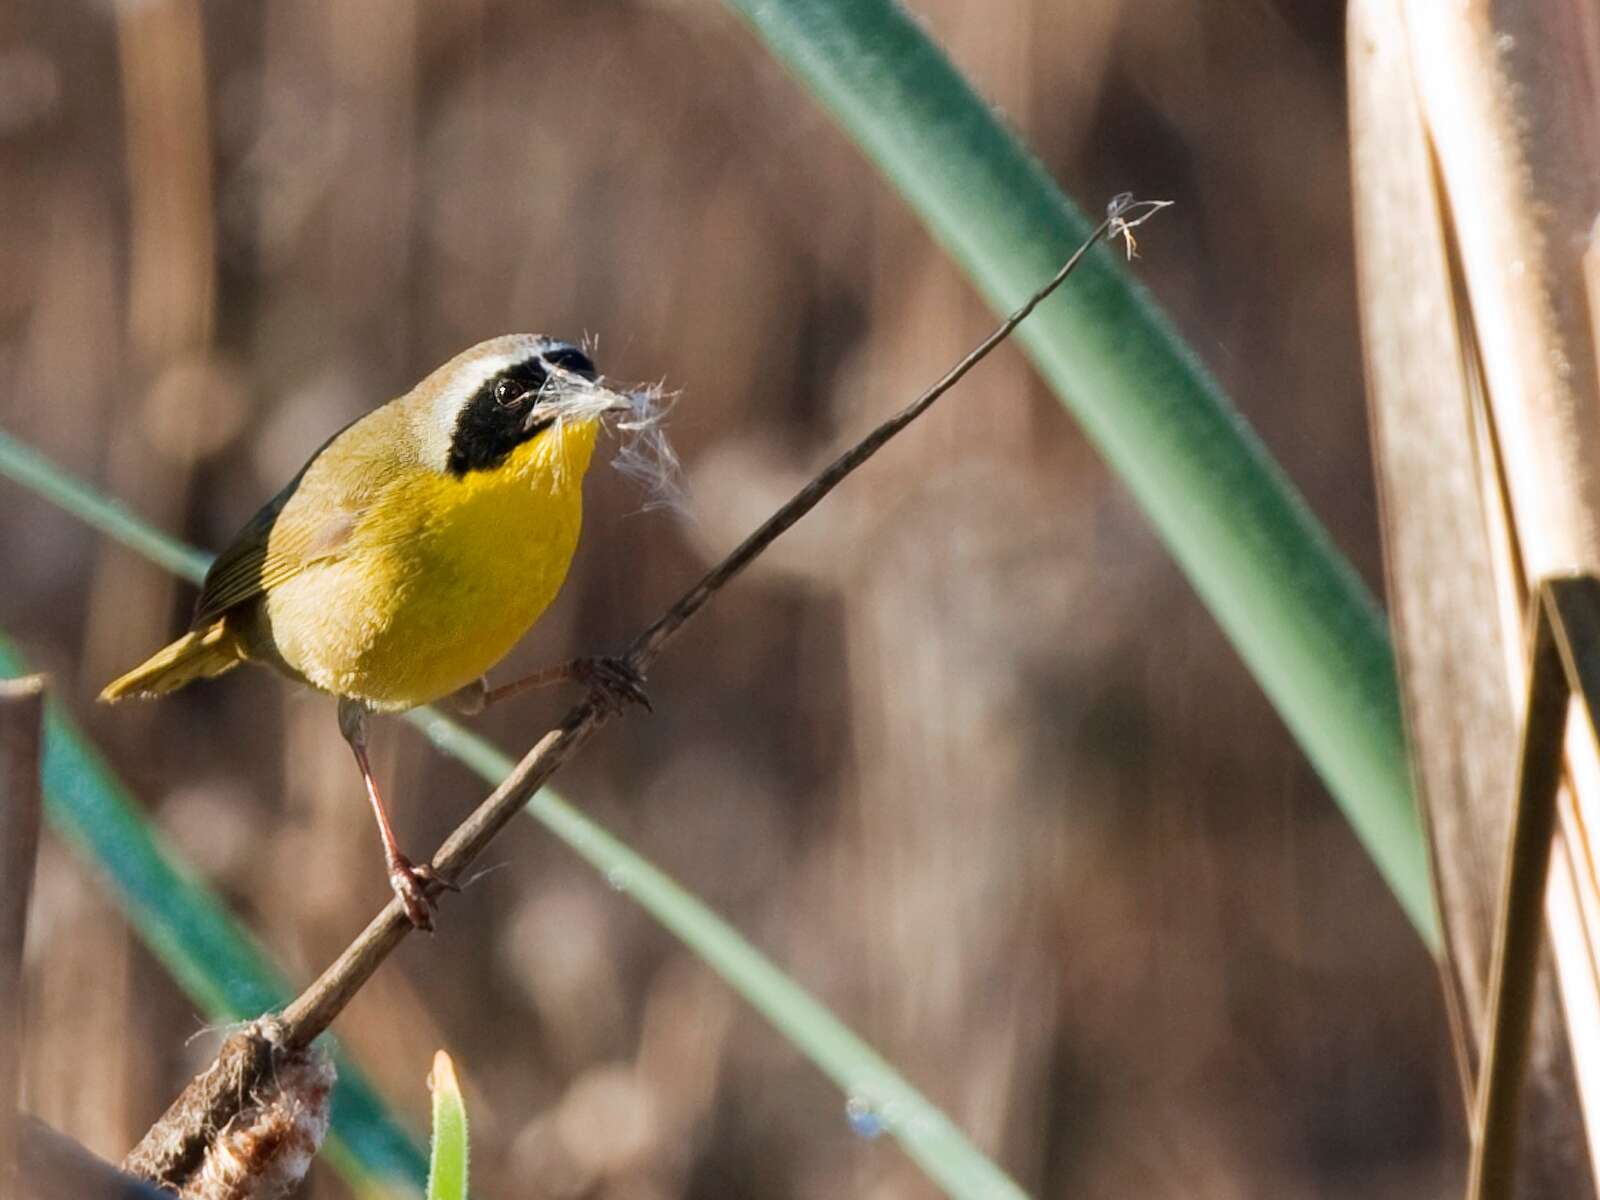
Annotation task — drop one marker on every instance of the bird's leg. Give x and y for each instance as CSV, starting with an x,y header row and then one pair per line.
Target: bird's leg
x,y
472,699
415,884
614,681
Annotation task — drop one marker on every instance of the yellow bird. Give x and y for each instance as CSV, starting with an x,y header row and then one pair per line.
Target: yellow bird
x,y
410,554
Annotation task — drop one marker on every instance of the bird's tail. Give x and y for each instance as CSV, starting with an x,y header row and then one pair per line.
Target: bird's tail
x,y
198,655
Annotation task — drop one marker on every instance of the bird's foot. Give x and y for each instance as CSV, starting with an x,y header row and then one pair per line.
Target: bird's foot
x,y
417,885
614,682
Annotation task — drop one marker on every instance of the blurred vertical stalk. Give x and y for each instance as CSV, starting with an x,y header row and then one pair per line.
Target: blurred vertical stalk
x,y
171,278
1496,124
21,722
164,387
1437,550
171,301
1482,388
1291,605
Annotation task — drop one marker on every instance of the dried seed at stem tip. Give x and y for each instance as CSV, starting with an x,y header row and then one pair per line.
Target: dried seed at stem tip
x,y
1123,226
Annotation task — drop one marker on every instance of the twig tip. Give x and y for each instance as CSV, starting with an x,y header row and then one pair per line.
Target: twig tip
x,y
1124,214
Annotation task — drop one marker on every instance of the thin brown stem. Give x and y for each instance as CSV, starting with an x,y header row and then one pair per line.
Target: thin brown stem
x,y
311,1013
315,1009
648,644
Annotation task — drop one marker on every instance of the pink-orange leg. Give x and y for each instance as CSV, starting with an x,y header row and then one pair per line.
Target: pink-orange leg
x,y
415,884
613,680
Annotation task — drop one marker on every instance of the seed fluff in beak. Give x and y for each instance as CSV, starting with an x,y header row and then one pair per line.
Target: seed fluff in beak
x,y
636,413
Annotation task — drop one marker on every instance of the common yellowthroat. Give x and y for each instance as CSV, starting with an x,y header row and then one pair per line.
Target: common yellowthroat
x,y
410,554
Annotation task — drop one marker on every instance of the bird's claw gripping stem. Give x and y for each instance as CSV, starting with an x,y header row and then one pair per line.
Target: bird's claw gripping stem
x,y
417,886
614,682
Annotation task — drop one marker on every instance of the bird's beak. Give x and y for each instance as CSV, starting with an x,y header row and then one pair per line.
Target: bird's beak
x,y
590,402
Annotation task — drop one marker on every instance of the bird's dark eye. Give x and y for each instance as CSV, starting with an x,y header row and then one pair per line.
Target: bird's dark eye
x,y
507,393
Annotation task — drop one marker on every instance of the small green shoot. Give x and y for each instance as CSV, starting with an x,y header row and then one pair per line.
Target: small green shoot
x,y
447,1169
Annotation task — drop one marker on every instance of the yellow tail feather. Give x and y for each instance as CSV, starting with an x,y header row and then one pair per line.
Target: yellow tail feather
x,y
198,655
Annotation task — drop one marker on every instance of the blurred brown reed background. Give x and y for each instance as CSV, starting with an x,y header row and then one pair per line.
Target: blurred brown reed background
x,y
964,754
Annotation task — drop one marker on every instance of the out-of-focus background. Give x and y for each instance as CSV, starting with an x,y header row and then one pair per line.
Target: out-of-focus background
x,y
964,754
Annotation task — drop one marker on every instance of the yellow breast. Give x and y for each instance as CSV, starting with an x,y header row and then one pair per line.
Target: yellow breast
x,y
441,580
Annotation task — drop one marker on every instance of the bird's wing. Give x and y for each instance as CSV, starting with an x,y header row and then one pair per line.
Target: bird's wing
x,y
327,500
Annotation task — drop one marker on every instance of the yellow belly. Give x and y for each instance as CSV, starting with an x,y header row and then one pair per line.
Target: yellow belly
x,y
438,588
